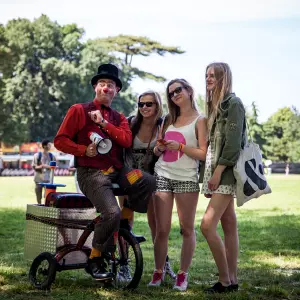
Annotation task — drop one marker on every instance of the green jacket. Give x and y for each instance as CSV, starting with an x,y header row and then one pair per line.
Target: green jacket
x,y
226,136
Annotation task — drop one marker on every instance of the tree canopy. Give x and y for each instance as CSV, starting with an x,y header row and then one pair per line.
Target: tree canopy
x,y
46,67
282,135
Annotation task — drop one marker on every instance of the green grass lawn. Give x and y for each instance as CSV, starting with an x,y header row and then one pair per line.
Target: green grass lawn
x,y
269,261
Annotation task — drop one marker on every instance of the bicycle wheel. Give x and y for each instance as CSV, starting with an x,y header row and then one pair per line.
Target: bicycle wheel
x,y
128,265
42,271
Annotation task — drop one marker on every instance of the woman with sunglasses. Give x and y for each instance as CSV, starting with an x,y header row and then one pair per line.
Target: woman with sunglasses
x,y
176,171
226,117
145,127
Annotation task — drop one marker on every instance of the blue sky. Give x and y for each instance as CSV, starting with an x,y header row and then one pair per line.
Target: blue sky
x,y
259,39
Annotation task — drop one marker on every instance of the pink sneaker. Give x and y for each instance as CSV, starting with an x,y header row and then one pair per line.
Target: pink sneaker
x,y
181,282
157,279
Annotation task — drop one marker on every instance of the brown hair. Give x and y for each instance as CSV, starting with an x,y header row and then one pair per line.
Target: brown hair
x,y
174,110
138,118
135,125
223,87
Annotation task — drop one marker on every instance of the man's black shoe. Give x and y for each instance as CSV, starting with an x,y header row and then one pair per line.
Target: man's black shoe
x,y
97,268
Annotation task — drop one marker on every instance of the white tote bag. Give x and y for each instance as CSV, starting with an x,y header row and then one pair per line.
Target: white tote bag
x,y
249,174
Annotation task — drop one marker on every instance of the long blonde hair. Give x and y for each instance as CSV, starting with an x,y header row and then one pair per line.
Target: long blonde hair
x,y
223,87
174,110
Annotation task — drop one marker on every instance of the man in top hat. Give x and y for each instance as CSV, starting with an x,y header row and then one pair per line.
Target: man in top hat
x,y
96,171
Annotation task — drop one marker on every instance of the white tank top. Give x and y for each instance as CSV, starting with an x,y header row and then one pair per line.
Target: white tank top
x,y
175,164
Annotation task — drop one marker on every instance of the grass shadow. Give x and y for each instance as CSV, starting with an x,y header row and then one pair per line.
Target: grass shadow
x,y
279,234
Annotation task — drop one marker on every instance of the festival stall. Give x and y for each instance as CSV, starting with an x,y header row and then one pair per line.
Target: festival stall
x,y
17,160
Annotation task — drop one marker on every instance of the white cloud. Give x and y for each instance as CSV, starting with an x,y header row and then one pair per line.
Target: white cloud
x,y
130,11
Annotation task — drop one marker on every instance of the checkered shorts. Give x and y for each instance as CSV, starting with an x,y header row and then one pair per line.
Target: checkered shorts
x,y
164,184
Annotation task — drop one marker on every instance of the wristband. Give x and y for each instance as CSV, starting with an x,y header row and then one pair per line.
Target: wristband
x,y
102,122
159,150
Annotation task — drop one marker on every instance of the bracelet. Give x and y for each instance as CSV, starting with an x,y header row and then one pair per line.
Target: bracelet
x,y
159,150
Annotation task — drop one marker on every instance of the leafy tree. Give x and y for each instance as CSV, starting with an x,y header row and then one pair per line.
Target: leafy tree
x,y
11,129
129,46
201,103
125,47
46,80
293,135
255,129
281,135
45,68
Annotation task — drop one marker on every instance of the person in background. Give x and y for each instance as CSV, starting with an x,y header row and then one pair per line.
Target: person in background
x,y
73,169
97,169
1,163
226,124
184,143
287,169
41,168
145,127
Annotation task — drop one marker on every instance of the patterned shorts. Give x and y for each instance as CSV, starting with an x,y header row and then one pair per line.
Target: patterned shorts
x,y
164,184
222,189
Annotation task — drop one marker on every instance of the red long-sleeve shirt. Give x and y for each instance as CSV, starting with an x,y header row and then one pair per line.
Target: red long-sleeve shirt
x,y
75,120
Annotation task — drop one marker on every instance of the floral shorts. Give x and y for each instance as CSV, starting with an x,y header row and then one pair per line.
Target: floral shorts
x,y
164,184
222,189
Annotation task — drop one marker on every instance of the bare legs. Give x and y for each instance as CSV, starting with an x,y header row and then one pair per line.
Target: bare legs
x,y
221,207
186,207
151,218
231,240
163,213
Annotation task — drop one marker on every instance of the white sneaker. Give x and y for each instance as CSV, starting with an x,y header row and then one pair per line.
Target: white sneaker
x,y
181,282
124,274
157,279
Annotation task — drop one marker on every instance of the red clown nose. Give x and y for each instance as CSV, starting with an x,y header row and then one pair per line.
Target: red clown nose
x,y
105,90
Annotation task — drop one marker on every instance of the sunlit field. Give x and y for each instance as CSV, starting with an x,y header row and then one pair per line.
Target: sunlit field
x,y
269,261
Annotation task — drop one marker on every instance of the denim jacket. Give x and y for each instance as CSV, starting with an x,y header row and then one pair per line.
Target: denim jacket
x,y
226,136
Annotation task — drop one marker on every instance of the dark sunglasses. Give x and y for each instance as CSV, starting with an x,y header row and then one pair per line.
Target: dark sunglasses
x,y
178,90
148,104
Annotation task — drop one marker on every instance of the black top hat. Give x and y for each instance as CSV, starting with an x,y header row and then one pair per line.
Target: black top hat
x,y
107,71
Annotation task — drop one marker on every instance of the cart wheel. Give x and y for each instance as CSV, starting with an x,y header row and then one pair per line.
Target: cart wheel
x,y
42,271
